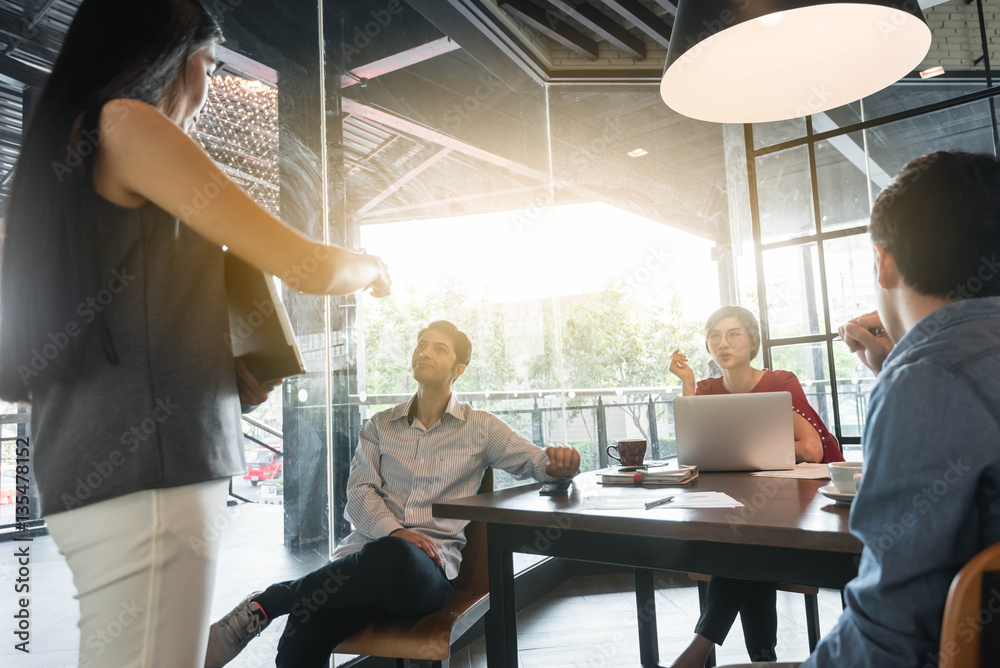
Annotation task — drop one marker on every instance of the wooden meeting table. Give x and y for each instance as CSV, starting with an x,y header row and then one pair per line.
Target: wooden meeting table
x,y
786,532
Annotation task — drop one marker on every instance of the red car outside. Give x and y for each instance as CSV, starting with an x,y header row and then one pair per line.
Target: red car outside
x,y
262,464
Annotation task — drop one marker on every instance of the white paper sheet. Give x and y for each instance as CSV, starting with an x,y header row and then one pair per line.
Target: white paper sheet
x,y
636,501
803,471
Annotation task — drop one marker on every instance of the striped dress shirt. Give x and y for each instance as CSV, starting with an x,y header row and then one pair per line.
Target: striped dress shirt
x,y
401,467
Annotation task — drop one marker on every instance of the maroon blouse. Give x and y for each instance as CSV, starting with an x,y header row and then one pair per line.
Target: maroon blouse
x,y
784,381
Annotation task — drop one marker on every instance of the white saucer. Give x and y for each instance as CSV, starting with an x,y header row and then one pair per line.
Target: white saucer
x,y
839,498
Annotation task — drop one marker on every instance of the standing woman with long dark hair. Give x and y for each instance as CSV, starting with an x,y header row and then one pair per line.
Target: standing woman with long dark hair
x,y
113,322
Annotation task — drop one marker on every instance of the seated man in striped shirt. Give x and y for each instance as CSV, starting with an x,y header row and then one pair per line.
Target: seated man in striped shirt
x,y
399,558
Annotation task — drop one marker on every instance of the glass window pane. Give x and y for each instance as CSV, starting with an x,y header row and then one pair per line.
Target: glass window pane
x,y
850,282
784,194
854,385
842,181
769,134
794,302
809,363
832,119
965,128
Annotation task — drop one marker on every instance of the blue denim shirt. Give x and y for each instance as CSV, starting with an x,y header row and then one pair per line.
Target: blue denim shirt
x,y
930,496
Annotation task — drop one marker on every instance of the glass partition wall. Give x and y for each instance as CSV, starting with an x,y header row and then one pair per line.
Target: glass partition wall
x,y
572,232
605,228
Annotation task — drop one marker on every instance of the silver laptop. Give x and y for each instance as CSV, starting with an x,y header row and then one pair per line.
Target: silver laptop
x,y
735,432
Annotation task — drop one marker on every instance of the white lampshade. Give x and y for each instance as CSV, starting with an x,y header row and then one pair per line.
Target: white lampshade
x,y
780,59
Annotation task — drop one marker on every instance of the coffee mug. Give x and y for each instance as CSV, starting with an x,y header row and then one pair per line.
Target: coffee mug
x,y
845,476
628,452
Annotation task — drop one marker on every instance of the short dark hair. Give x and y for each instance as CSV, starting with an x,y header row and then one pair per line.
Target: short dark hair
x,y
746,319
940,219
459,340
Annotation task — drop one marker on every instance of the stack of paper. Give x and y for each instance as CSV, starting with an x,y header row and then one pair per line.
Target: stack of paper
x,y
803,471
654,477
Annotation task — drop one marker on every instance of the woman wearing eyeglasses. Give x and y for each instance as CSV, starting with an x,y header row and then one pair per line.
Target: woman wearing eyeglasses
x,y
732,337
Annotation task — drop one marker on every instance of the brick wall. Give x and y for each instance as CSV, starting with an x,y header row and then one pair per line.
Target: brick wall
x,y
956,40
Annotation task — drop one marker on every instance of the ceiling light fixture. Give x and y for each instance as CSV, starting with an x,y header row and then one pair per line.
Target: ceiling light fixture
x,y
931,72
638,153
769,60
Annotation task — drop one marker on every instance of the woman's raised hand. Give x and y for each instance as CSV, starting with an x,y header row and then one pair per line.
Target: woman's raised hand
x,y
679,367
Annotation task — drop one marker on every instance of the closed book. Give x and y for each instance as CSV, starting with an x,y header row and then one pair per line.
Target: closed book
x,y
679,476
259,329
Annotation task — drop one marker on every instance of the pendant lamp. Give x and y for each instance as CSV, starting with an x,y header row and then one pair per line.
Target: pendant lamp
x,y
754,61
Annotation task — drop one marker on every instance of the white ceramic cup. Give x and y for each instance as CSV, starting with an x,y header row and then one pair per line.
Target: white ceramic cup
x,y
845,476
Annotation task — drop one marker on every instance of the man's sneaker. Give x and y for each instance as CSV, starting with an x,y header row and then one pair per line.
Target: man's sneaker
x,y
230,635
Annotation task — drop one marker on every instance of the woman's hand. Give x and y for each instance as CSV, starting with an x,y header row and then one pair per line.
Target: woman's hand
x,y
867,337
382,285
680,368
252,392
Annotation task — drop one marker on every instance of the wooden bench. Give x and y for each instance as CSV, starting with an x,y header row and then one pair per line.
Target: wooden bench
x,y
430,638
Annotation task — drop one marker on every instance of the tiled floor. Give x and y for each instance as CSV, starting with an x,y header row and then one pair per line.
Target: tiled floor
x,y
586,623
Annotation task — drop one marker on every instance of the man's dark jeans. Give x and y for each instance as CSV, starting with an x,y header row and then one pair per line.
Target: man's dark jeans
x,y
389,576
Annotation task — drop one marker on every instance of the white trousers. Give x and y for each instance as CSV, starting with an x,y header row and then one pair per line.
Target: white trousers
x,y
144,569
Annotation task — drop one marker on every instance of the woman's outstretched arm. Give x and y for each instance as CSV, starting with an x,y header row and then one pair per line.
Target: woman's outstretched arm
x,y
142,155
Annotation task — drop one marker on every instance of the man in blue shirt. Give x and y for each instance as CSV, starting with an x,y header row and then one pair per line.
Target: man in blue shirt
x,y
930,497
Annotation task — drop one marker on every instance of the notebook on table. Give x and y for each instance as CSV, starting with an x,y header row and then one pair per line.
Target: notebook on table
x,y
259,329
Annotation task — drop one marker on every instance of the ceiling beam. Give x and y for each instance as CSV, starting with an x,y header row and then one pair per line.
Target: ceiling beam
x,y
25,74
398,61
550,26
476,31
642,18
244,66
602,24
678,220
403,180
669,5
408,127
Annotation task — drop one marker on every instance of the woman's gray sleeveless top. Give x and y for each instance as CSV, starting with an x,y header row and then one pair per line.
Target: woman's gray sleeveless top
x,y
169,413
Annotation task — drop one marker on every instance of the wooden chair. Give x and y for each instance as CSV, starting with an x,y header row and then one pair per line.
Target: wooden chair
x,y
812,608
429,638
964,603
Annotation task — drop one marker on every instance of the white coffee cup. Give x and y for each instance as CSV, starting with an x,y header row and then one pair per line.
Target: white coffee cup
x,y
845,476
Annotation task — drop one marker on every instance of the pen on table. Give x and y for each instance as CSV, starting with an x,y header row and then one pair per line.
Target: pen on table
x,y
659,502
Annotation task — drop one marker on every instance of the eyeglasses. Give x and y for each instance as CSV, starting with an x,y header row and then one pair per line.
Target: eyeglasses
x,y
733,337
